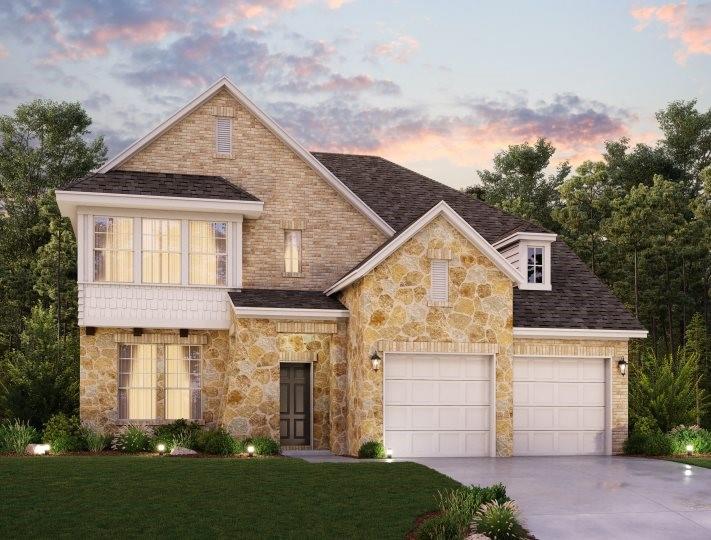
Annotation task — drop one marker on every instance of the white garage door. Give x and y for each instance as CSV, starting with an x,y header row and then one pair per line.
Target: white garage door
x,y
436,405
559,406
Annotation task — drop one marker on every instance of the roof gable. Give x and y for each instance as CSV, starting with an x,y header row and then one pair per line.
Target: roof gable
x,y
283,136
392,245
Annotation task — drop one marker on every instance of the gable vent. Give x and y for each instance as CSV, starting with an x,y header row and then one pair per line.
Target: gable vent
x,y
223,135
440,277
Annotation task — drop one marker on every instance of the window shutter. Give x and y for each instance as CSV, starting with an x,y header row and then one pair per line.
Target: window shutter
x,y
223,135
440,279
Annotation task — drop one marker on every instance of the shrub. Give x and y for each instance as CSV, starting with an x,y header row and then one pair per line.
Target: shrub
x,y
133,439
263,446
499,521
64,434
696,436
441,527
216,441
95,439
647,439
15,436
178,433
371,450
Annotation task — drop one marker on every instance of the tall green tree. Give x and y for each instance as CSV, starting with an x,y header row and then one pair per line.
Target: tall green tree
x,y
519,184
697,343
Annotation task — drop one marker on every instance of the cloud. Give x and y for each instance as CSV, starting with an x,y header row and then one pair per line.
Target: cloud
x,y
97,100
3,52
689,25
399,50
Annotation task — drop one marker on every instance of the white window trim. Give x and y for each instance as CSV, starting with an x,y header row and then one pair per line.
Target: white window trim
x,y
523,263
85,248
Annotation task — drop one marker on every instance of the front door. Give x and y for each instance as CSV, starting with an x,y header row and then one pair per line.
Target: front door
x,y
295,420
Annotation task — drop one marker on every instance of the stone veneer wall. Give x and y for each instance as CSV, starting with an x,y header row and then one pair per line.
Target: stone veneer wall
x,y
391,303
335,235
592,348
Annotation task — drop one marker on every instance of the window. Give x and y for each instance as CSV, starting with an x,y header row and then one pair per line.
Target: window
x,y
223,135
138,382
113,249
439,291
161,251
182,382
292,251
148,372
535,265
208,253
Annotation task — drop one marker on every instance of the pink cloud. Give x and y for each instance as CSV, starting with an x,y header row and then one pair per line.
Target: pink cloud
x,y
399,50
3,52
689,25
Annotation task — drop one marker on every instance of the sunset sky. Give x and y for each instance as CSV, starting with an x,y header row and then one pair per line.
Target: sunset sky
x,y
437,86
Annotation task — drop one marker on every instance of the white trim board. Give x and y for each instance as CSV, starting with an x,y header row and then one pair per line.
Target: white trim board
x,y
440,209
295,314
271,125
518,236
577,333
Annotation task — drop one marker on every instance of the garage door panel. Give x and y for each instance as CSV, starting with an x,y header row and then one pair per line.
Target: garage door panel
x,y
455,418
559,406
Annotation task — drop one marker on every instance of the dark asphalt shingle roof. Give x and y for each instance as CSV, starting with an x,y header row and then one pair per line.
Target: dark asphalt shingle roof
x,y
283,298
398,195
160,185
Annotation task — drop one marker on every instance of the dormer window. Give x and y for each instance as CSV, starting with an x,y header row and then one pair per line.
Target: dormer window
x,y
535,264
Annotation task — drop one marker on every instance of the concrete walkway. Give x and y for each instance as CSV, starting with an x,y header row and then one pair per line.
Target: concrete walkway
x,y
596,497
318,456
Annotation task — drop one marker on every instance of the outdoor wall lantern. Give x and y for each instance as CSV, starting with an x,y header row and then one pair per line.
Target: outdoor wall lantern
x,y
375,360
622,365
250,450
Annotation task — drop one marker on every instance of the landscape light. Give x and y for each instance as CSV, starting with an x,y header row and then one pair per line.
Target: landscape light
x,y
389,453
42,449
161,448
689,449
250,450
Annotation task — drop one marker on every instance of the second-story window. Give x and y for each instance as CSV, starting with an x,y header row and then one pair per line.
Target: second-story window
x,y
208,253
113,249
535,265
161,251
292,251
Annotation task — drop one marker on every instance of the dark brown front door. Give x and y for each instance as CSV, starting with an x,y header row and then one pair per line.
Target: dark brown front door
x,y
295,404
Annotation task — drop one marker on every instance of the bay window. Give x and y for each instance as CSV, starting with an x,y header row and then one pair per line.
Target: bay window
x,y
113,249
159,382
161,251
208,253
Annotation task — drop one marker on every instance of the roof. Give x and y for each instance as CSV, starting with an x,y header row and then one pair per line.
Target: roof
x,y
160,185
284,299
578,299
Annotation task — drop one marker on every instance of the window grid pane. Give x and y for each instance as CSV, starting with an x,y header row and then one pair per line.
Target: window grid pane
x,y
182,386
208,253
292,251
113,249
161,251
138,382
535,265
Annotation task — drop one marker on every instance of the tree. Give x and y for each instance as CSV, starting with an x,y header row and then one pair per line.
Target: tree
x,y
518,183
586,200
41,376
697,343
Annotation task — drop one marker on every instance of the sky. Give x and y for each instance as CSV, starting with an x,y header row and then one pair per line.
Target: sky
x,y
440,87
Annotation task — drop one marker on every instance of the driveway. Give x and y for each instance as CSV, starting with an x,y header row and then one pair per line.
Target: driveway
x,y
596,497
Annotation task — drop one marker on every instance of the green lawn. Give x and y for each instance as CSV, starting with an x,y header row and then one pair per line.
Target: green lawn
x,y
168,497
698,461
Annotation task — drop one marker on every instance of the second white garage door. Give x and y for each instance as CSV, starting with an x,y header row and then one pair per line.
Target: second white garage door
x,y
559,406
437,405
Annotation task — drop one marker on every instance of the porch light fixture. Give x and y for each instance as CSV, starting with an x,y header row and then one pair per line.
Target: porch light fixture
x,y
250,450
622,366
689,449
161,448
375,361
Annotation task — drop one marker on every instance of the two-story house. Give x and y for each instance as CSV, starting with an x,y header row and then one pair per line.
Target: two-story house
x,y
229,276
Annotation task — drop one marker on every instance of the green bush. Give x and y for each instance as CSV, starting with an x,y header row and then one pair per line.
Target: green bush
x,y
64,434
216,441
499,521
648,443
263,446
441,527
16,435
95,439
696,436
181,433
371,450
132,439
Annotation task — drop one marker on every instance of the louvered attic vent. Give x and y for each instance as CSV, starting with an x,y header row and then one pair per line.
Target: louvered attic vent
x,y
223,135
439,290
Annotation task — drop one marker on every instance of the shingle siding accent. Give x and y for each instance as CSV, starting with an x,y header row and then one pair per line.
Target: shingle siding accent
x,y
338,235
